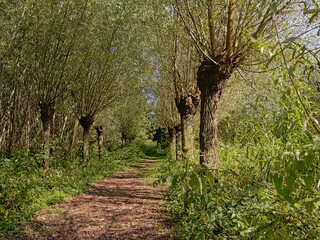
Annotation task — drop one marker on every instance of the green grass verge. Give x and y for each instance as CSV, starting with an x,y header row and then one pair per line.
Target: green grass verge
x,y
150,173
26,188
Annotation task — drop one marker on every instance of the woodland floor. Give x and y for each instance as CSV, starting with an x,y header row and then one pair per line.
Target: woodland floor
x,y
125,206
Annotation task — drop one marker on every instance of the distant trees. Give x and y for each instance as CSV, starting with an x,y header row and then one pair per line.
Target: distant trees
x,y
98,79
131,113
178,64
51,34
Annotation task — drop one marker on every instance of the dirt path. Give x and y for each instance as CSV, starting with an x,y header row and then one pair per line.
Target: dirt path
x,y
121,207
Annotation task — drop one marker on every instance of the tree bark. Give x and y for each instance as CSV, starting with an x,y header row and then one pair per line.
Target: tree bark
x,y
100,130
212,80
123,138
187,105
172,142
178,141
28,130
187,136
47,112
74,134
86,123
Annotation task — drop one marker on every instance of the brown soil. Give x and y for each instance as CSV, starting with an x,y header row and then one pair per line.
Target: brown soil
x,y
122,207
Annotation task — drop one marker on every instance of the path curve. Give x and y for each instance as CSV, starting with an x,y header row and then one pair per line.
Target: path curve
x,y
122,207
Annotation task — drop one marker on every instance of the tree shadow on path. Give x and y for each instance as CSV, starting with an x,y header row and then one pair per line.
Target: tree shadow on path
x,y
121,207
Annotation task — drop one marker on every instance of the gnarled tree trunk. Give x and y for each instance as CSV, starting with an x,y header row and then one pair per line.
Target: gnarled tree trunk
x,y
86,122
123,138
100,130
211,80
47,112
187,105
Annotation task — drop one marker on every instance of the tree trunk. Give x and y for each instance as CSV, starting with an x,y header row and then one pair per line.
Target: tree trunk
x,y
28,130
100,130
64,126
123,138
209,128
12,118
172,142
211,80
178,142
187,136
47,113
187,105
86,123
74,134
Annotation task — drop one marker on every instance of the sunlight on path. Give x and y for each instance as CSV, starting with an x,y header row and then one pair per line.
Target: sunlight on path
x,y
122,207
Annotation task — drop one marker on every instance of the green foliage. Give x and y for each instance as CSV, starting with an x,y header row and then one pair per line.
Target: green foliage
x,y
236,207
268,184
26,188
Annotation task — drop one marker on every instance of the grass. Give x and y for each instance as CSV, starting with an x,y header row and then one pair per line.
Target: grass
x,y
150,173
26,188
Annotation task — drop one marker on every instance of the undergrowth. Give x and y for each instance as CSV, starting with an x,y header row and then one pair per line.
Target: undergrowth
x,y
235,207
25,187
268,179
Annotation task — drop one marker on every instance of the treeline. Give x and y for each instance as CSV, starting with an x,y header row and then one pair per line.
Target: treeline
x,y
252,173
73,80
65,64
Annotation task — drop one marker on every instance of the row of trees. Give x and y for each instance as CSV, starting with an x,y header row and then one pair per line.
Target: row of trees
x,y
256,64
81,58
69,62
209,41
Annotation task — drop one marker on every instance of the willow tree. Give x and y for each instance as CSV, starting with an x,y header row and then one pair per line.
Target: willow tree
x,y
178,62
14,100
226,34
43,40
130,115
166,111
109,60
187,96
97,83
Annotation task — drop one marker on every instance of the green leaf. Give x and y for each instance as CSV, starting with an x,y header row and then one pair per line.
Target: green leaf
x,y
290,181
309,159
194,182
271,59
304,127
200,236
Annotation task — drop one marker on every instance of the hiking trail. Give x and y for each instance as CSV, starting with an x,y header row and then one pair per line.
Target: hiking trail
x,y
122,207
